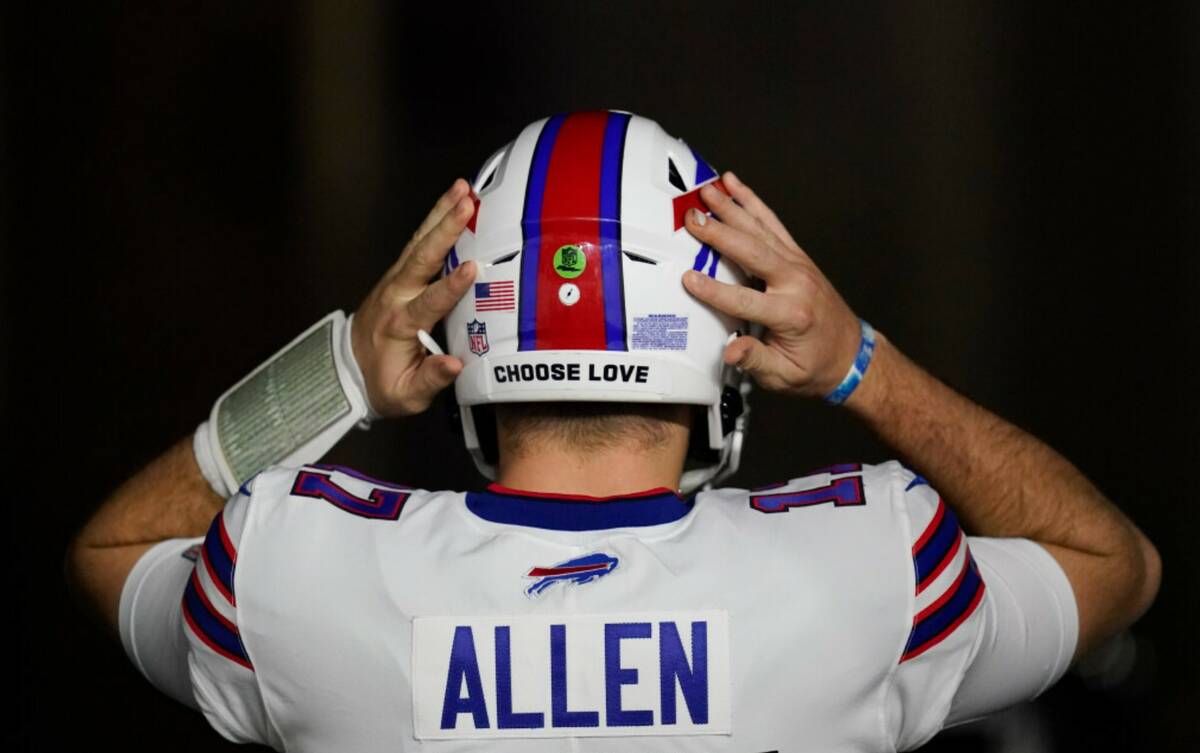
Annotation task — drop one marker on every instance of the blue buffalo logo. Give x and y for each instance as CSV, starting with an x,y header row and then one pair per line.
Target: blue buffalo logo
x,y
577,571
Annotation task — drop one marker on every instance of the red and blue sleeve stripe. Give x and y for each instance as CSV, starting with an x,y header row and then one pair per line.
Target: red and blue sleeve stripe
x,y
218,557
936,546
213,629
934,551
938,621
574,178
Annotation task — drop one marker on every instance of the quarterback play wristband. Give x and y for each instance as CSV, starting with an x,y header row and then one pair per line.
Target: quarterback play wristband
x,y
290,410
866,349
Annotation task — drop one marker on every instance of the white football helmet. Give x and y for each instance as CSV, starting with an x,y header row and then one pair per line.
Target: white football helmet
x,y
579,241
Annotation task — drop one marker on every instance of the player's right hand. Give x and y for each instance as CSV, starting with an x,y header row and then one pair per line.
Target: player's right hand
x,y
812,334
401,378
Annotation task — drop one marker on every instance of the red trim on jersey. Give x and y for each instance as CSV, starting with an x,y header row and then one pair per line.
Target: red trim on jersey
x,y
933,574
949,628
187,617
209,605
226,542
949,593
691,200
655,492
212,575
572,196
931,528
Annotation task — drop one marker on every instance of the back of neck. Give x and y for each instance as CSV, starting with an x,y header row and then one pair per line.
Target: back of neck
x,y
600,473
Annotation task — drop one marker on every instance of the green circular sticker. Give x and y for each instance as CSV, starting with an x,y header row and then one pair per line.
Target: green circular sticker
x,y
570,261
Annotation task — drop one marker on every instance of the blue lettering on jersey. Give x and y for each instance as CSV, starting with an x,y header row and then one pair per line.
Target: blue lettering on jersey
x,y
692,678
560,715
506,718
464,667
615,675
673,665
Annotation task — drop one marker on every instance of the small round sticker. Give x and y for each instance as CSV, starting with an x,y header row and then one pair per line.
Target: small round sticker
x,y
570,261
569,294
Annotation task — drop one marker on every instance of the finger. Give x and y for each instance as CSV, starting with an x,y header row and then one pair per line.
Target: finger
x,y
749,251
769,367
438,299
756,207
433,375
436,373
738,301
428,254
732,213
444,204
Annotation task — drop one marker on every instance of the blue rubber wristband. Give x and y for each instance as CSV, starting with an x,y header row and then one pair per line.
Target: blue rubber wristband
x,y
866,349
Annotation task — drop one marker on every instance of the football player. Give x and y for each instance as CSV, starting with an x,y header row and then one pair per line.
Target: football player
x,y
594,279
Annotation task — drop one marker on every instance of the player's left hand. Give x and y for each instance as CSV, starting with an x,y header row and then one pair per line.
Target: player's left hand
x,y
812,334
401,378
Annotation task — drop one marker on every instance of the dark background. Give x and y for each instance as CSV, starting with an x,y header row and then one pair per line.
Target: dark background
x,y
1009,191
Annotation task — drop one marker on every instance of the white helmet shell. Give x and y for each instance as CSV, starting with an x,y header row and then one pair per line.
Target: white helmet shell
x,y
580,247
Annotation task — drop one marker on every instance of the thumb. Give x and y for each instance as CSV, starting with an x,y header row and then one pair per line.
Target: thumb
x,y
437,373
763,363
433,375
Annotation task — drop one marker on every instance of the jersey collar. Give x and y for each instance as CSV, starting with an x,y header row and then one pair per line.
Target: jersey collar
x,y
577,512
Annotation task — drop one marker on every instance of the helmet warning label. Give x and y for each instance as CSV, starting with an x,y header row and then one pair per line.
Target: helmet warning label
x,y
659,332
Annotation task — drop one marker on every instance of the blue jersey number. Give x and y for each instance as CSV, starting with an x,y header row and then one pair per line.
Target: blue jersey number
x,y
380,504
842,492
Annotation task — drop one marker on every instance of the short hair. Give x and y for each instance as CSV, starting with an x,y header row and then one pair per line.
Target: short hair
x,y
588,425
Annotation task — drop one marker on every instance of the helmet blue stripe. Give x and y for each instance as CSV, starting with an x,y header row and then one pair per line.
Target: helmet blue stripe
x,y
704,171
531,232
610,230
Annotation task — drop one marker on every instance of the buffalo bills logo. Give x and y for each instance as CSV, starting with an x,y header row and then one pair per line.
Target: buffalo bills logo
x,y
577,571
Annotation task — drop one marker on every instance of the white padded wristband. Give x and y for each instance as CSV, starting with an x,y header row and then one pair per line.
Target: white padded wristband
x,y
291,410
206,458
354,372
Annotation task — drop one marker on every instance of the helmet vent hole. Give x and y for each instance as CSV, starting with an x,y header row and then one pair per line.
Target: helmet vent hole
x,y
639,259
491,170
674,177
504,259
488,180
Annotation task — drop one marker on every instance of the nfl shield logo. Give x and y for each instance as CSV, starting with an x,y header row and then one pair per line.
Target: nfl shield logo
x,y
477,334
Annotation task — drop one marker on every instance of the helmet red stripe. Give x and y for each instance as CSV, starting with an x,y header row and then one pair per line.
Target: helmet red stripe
x,y
692,200
572,198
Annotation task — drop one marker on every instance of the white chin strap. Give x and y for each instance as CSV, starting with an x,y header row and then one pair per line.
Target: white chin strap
x,y
471,439
730,459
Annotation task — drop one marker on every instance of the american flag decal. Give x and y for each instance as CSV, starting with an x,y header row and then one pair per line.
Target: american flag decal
x,y
495,296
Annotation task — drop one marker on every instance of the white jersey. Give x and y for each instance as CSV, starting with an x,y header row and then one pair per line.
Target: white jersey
x,y
841,611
